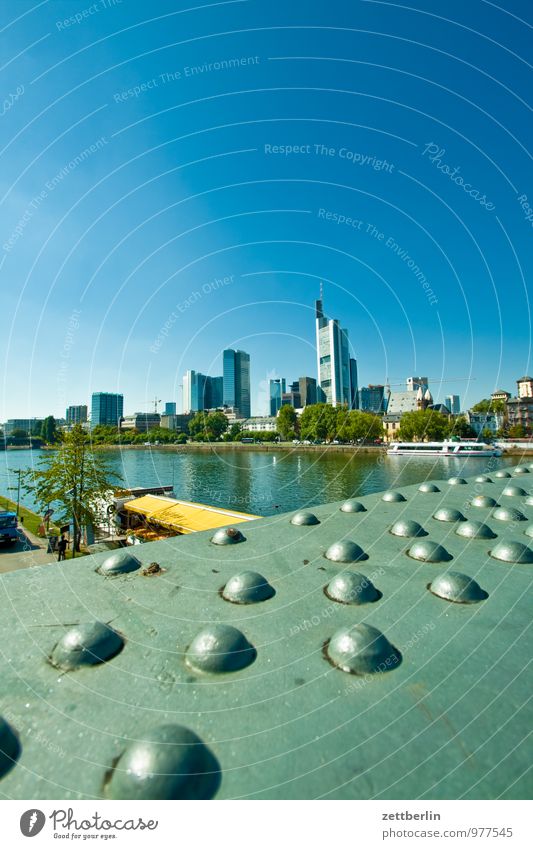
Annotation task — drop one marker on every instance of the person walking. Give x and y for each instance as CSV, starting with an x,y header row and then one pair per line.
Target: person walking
x,y
62,547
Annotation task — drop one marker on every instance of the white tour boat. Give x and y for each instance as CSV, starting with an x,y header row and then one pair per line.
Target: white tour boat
x,y
445,449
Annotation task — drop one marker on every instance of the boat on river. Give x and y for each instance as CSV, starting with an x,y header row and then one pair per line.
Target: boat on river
x,y
447,448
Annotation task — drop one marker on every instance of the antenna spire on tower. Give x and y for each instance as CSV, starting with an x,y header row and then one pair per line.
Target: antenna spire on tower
x,y
321,291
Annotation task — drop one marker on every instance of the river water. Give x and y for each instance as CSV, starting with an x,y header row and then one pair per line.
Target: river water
x,y
263,483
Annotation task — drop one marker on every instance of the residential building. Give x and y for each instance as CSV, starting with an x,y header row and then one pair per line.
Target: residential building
x,y
259,423
107,408
372,398
500,395
76,414
391,426
485,421
141,422
453,403
333,359
525,387
170,408
276,389
236,381
200,392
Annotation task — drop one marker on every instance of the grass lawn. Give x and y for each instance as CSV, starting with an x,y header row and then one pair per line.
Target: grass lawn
x,y
31,520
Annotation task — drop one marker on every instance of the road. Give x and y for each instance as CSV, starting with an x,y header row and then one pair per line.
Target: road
x,y
29,551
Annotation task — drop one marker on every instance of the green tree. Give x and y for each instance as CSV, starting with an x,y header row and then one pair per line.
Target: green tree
x,y
49,430
19,433
487,405
460,427
73,480
486,434
366,426
517,431
216,425
287,422
234,433
423,425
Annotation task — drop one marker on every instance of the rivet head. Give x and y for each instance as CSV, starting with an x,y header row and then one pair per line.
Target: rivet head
x,y
9,747
428,487
220,648
529,500
170,763
345,551
501,473
520,470
474,530
227,536
449,514
352,588
529,530
362,650
393,496
303,517
429,552
119,563
454,586
86,645
512,552
457,481
514,491
508,514
483,479
353,506
247,588
483,501
407,528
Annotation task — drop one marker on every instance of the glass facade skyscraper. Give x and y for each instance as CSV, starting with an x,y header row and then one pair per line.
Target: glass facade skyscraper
x,y
107,408
277,388
333,359
201,392
236,381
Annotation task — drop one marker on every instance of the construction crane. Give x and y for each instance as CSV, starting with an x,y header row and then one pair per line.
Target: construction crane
x,y
156,402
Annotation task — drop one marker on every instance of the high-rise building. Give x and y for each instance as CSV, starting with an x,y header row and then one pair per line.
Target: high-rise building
x,y
293,396
354,397
277,387
415,383
200,392
107,408
372,398
333,358
453,403
307,386
76,414
236,381
170,408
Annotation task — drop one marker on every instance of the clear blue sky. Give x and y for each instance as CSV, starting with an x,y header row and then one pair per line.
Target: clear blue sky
x,y
139,166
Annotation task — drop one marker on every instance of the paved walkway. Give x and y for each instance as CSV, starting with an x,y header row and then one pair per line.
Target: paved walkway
x,y
29,551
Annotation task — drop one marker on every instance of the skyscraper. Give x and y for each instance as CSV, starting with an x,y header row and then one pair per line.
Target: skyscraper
x,y
333,359
453,403
307,387
76,414
277,388
170,408
107,408
354,395
236,381
201,392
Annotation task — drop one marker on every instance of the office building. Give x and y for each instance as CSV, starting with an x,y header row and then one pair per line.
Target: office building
x,y
32,427
276,389
179,422
76,414
141,422
107,408
354,385
453,402
170,408
201,392
415,383
333,359
236,381
308,391
372,398
293,396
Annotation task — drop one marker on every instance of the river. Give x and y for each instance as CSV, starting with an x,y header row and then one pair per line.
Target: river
x,y
263,483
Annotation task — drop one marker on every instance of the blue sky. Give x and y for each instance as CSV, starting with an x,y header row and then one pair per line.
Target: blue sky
x,y
178,180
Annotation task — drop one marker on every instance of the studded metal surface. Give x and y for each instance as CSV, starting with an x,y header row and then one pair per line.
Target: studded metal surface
x,y
228,698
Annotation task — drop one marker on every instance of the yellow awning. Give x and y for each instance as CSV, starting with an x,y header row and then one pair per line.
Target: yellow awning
x,y
184,516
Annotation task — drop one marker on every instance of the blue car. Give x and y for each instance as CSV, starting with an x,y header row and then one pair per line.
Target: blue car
x,y
8,527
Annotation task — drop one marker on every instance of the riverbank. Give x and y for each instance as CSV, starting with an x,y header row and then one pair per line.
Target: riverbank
x,y
269,447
